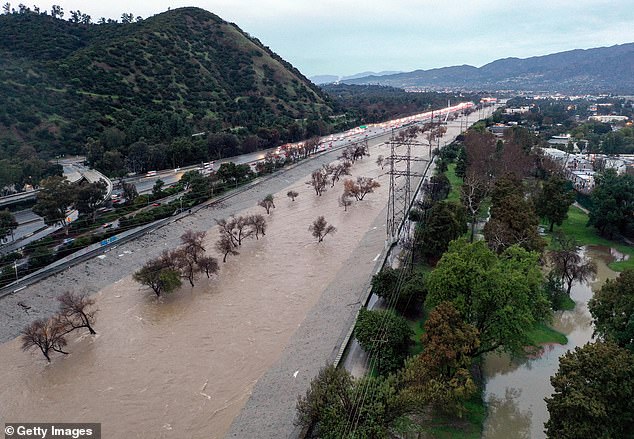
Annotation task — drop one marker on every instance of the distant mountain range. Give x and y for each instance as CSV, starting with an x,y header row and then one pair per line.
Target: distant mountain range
x,y
329,79
598,70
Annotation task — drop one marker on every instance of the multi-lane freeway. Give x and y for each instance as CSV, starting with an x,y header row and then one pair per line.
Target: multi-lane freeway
x,y
31,228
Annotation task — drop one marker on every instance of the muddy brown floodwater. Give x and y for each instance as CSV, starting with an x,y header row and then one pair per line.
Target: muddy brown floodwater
x,y
515,391
183,366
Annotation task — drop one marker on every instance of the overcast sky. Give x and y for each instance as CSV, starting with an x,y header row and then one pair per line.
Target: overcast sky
x,y
344,37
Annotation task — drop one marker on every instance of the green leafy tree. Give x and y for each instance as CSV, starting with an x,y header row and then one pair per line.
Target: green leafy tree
x,y
89,197
461,163
129,191
7,223
385,335
157,189
612,211
502,296
234,174
612,309
399,287
593,394
440,375
332,406
446,221
55,197
554,199
160,274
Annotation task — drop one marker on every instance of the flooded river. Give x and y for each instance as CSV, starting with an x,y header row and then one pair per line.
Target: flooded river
x,y
183,366
515,391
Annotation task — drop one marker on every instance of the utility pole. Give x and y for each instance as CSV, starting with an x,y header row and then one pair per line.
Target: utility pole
x,y
15,266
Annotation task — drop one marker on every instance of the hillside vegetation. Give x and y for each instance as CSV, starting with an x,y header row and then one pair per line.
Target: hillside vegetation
x,y
171,75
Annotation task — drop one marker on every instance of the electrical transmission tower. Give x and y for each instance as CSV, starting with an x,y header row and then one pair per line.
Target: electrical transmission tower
x,y
401,174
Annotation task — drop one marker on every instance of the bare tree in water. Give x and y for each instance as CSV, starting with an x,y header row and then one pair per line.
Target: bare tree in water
x,y
193,244
209,265
47,335
360,188
320,228
292,195
267,203
77,311
225,246
318,180
345,201
258,225
568,263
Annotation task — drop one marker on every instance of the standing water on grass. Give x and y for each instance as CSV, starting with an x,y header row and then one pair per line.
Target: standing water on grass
x,y
515,389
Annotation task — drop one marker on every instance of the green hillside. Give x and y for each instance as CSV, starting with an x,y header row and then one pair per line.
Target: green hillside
x,y
67,85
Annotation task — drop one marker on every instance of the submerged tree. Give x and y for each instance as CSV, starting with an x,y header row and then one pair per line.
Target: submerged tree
x,y
47,335
292,195
257,223
320,228
193,244
267,203
318,181
160,274
76,311
568,263
225,246
208,264
345,201
360,188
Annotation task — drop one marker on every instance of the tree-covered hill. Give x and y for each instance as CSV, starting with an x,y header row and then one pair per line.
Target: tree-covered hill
x,y
64,84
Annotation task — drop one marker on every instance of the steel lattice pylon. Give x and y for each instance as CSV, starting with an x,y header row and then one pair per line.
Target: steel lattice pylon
x,y
400,194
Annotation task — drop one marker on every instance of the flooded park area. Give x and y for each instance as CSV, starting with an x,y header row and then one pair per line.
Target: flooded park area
x,y
184,365
515,389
